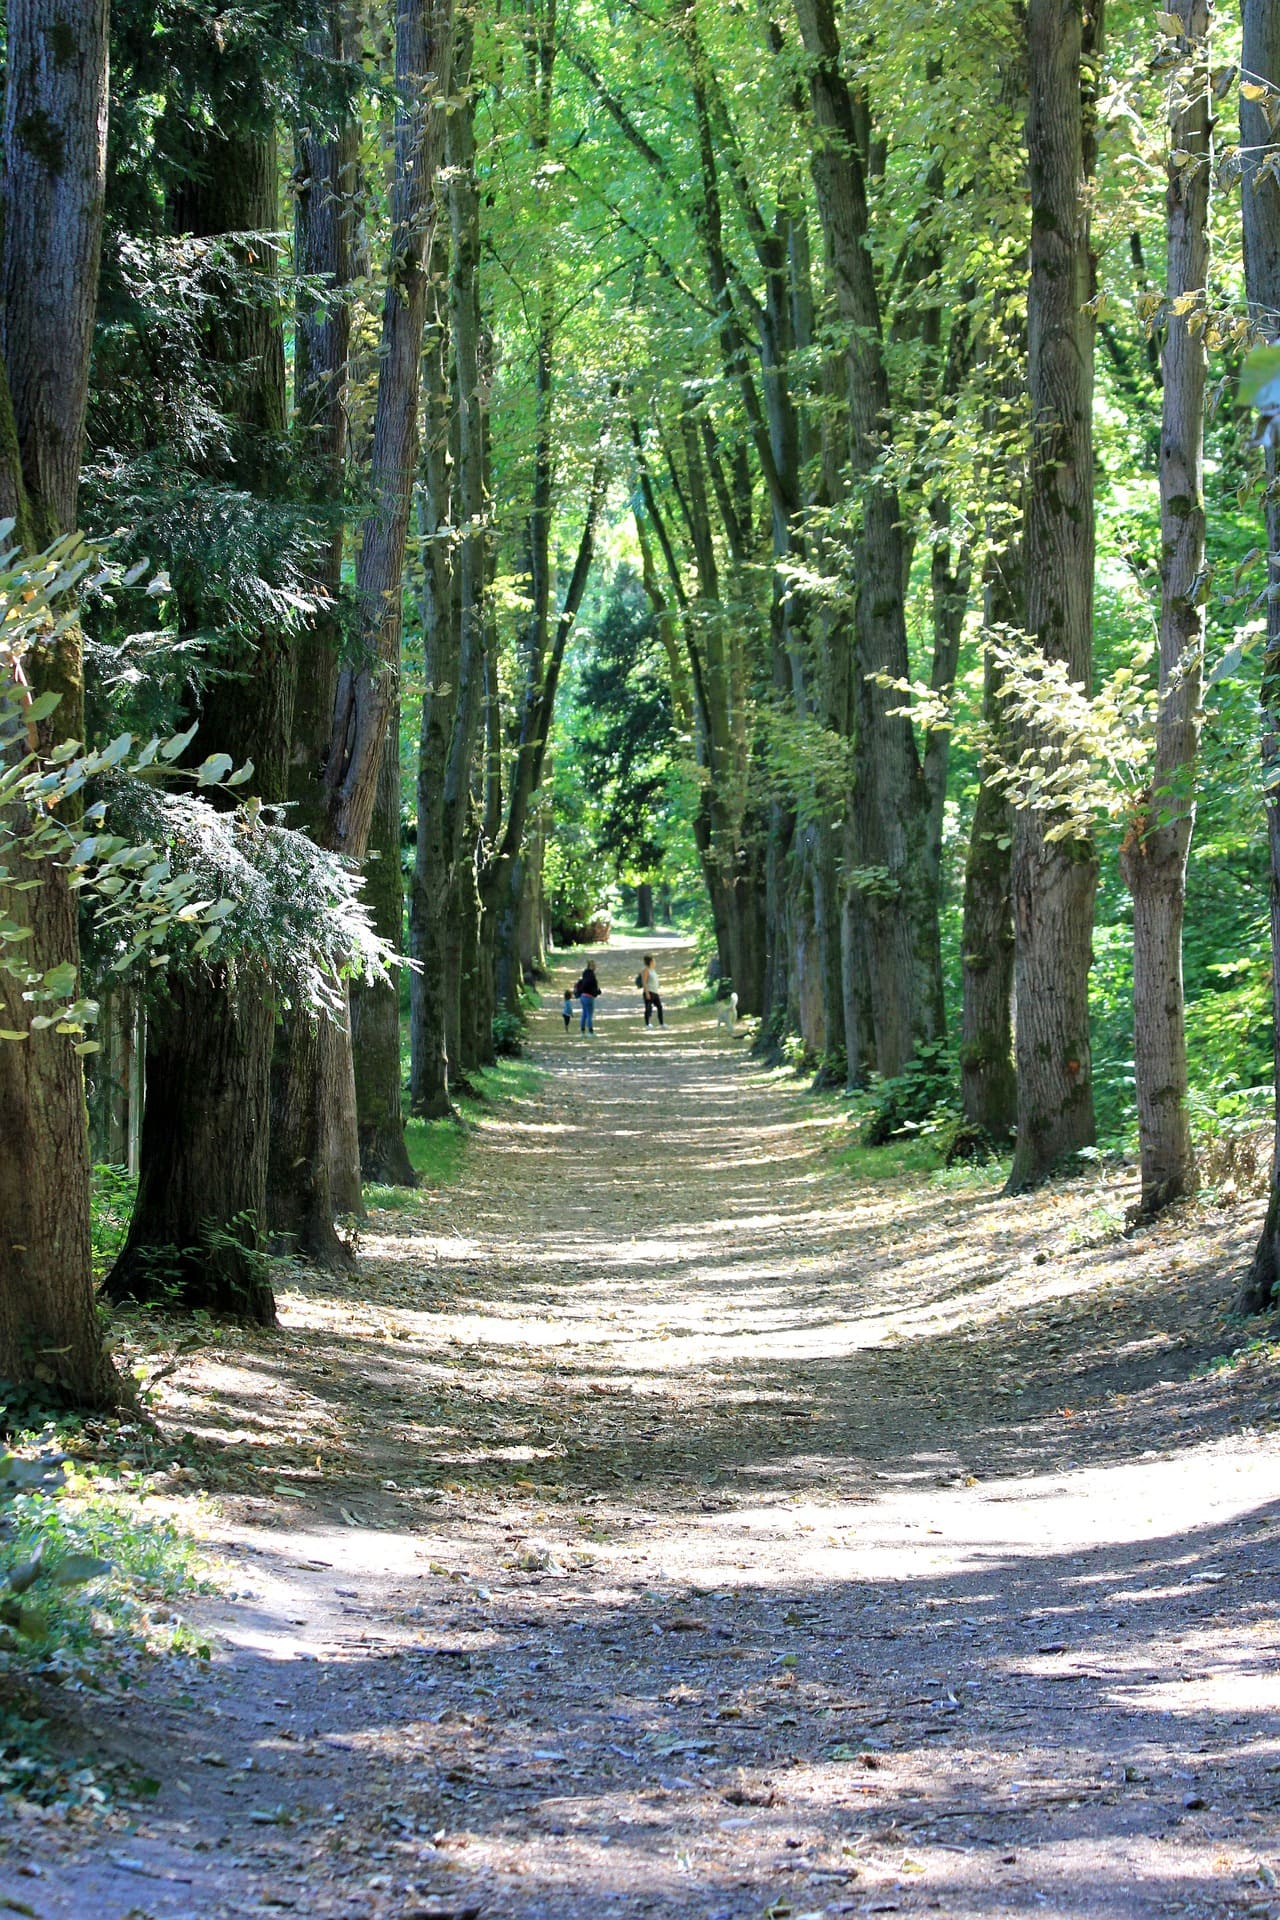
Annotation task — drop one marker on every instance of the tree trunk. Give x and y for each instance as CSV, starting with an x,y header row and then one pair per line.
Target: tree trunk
x,y
314,1169
988,1087
375,1010
1260,192
453,613
55,128
1153,858
644,904
204,1176
430,890
886,827
193,1239
1054,881
368,687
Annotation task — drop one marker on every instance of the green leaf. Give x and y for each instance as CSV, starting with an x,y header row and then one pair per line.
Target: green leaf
x,y
213,770
1260,379
42,706
77,1568
170,749
27,1572
61,980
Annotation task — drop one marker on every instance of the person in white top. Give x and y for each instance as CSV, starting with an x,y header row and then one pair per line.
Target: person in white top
x,y
650,984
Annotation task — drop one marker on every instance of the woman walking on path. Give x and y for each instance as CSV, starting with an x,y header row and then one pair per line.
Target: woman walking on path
x,y
650,985
588,991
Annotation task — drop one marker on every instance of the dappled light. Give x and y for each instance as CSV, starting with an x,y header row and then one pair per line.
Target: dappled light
x,y
637,1538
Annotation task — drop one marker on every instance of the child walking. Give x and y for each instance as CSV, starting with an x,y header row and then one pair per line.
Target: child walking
x,y
567,1008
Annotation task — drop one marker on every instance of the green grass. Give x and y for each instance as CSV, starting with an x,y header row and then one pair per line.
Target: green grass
x,y
438,1148
897,1160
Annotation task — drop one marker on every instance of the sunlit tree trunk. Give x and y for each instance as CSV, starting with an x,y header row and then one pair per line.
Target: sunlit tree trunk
x,y
1153,857
453,614
1260,192
375,1008
1055,880
367,687
886,824
988,1085
55,131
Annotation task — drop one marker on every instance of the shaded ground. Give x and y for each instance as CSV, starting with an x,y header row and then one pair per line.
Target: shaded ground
x,y
675,1527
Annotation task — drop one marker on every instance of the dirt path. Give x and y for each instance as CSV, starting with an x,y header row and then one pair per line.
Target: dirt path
x,y
674,1527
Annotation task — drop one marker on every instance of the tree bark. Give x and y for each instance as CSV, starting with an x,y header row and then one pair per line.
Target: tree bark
x,y
375,1010
314,1170
886,824
1054,881
988,1086
194,1236
453,612
1153,857
367,687
54,144
1260,193
203,1189
430,889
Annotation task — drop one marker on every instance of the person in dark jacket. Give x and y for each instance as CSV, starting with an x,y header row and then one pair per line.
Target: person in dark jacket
x,y
588,991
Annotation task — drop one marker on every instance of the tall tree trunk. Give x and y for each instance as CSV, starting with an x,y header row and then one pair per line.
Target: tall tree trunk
x,y
203,1187
55,128
430,891
375,1010
886,825
367,688
314,1171
988,1086
453,613
1054,881
1260,190
1153,858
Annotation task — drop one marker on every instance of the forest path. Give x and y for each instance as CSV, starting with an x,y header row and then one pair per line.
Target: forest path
x,y
667,1524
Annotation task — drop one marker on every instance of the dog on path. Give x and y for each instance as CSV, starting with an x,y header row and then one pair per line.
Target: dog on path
x,y
727,1011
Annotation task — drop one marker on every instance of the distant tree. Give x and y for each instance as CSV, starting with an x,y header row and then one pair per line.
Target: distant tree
x,y
623,730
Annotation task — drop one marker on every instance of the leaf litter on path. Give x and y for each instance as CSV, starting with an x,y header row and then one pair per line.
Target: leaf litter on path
x,y
655,1470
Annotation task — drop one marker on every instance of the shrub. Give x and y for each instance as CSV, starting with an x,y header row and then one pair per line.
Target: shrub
x,y
908,1101
508,1035
78,1565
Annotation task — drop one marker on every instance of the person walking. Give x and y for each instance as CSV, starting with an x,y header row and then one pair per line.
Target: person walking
x,y
588,992
650,986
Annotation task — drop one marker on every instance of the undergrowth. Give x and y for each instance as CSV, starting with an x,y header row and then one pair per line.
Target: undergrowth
x,y
127,1568
437,1148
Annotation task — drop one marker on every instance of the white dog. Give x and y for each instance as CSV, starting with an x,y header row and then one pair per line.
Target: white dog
x,y
727,1011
